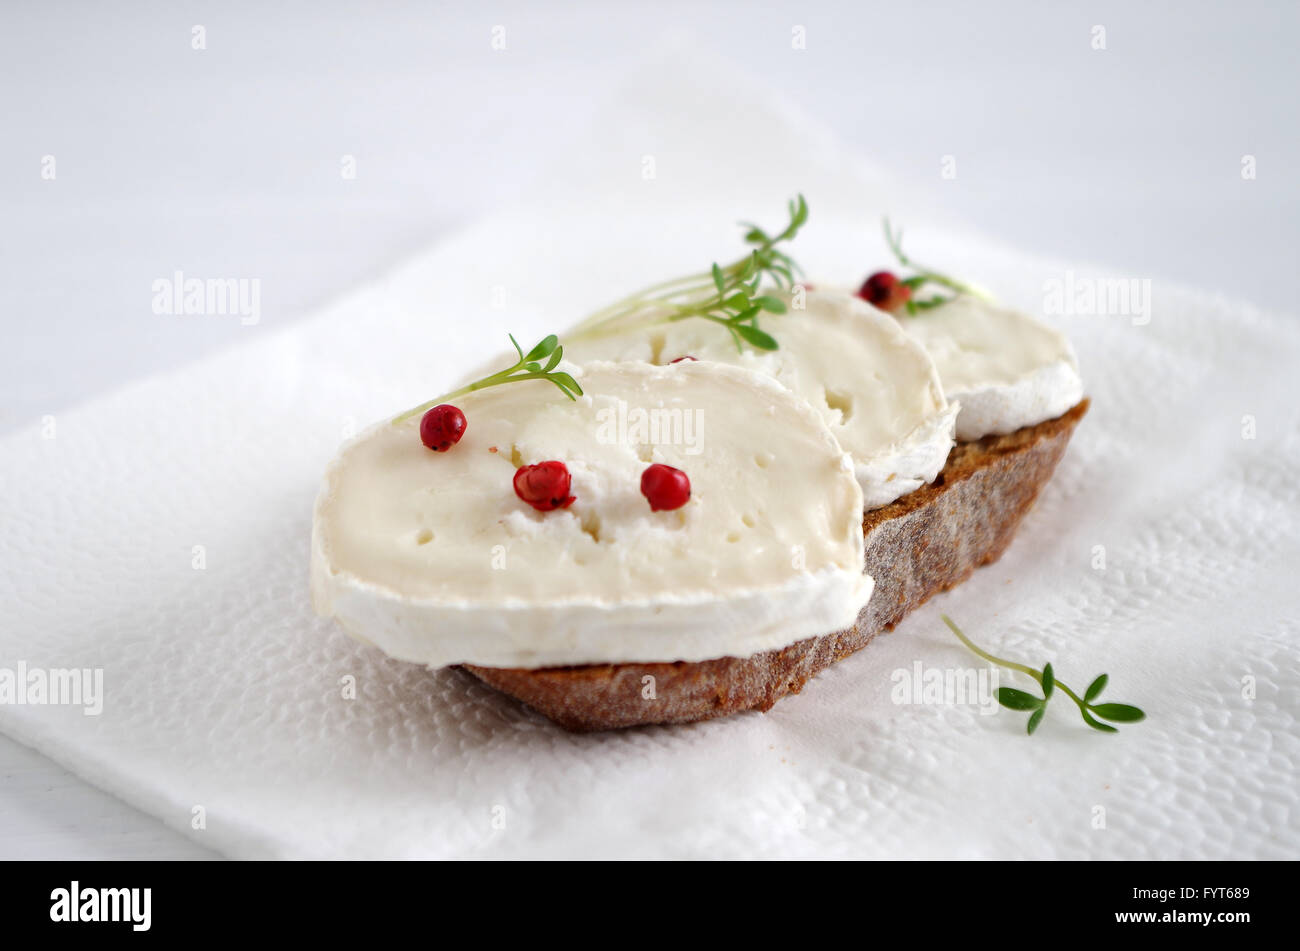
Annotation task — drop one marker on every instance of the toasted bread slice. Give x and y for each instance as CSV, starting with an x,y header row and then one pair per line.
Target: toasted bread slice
x,y
922,544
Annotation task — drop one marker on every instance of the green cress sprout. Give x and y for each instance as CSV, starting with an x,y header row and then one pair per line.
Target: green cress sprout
x,y
1014,699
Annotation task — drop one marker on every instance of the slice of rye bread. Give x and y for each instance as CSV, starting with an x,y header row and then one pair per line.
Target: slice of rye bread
x,y
922,544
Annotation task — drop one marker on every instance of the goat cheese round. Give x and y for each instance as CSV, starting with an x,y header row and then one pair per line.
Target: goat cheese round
x,y
876,389
434,559
1006,369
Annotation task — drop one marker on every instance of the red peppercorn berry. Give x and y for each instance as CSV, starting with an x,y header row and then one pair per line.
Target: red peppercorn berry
x,y
666,488
442,427
544,486
885,291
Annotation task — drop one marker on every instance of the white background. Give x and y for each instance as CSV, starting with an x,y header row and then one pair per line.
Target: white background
x,y
226,161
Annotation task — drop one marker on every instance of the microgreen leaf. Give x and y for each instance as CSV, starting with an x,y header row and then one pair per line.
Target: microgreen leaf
x,y
566,383
1096,724
542,349
773,305
1118,712
1014,699
1035,718
1095,688
1049,681
750,266
718,281
757,338
527,368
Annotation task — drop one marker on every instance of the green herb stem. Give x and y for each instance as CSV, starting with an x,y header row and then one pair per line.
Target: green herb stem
x,y
925,275
975,649
528,367
1019,700
730,295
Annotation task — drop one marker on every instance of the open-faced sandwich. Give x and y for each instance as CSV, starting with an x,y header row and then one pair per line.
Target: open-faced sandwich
x,y
696,499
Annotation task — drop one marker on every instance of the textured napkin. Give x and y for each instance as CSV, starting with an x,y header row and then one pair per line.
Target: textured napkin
x,y
161,534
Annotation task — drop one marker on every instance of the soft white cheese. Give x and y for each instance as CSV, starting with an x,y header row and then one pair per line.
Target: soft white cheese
x,y
1006,369
875,388
434,559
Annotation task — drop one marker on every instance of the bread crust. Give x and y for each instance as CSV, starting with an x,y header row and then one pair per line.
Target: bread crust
x,y
922,544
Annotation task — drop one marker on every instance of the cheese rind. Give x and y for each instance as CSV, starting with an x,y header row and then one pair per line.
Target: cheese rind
x,y
1006,369
876,389
432,557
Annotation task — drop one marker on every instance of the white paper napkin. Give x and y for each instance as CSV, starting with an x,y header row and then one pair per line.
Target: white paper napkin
x,y
224,695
